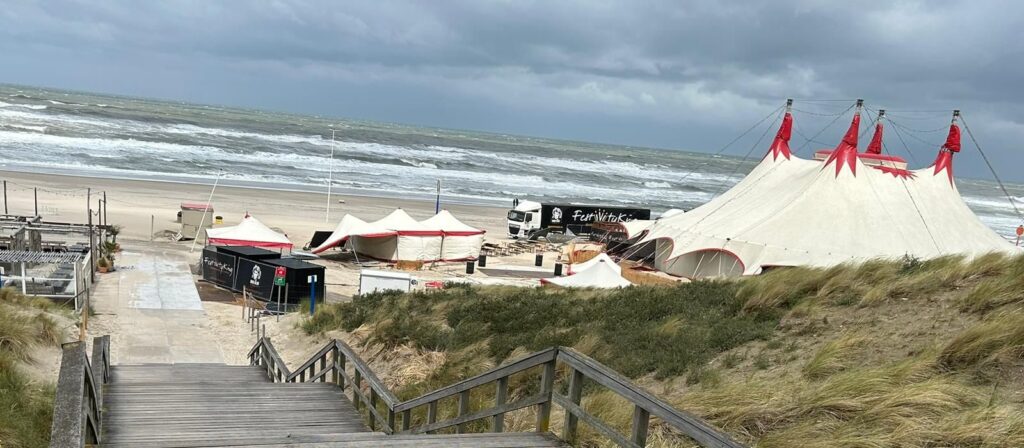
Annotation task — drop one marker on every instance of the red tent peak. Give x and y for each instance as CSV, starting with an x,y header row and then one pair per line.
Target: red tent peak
x,y
944,161
846,152
875,147
781,143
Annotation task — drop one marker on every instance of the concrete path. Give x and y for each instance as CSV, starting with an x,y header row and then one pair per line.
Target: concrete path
x,y
152,309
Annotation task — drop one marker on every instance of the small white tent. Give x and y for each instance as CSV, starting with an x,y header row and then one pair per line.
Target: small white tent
x,y
460,241
846,206
603,273
249,232
600,258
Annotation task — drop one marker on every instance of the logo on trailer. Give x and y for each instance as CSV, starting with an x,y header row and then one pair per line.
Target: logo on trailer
x,y
556,215
256,274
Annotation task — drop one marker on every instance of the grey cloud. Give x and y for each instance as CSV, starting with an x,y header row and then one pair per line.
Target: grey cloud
x,y
677,74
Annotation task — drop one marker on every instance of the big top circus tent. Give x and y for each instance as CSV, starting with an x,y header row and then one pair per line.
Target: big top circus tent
x,y
840,206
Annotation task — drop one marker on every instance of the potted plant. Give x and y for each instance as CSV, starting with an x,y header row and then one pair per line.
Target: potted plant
x,y
103,265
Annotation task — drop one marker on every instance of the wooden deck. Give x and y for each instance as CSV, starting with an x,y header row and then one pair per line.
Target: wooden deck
x,y
216,405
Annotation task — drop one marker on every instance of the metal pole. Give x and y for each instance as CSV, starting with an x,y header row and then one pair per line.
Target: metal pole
x,y
105,205
437,202
330,179
279,303
35,200
92,251
24,279
5,198
312,297
152,222
202,222
88,200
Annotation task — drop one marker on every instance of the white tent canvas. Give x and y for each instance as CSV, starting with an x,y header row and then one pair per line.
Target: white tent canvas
x,y
249,232
601,274
790,211
600,258
398,236
460,241
346,228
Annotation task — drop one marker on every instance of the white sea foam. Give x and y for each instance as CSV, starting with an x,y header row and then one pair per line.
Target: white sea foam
x,y
657,184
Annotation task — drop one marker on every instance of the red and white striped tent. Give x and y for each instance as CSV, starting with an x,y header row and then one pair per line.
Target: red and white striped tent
x,y
841,206
249,232
399,237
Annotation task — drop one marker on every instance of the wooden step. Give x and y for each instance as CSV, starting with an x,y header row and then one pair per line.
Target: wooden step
x,y
216,405
362,440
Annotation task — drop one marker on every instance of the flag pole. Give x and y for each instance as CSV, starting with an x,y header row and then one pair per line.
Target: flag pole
x,y
207,210
437,201
330,179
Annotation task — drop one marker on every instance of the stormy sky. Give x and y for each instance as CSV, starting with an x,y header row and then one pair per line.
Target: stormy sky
x,y
672,74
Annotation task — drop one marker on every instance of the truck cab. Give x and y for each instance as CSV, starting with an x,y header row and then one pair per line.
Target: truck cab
x,y
523,219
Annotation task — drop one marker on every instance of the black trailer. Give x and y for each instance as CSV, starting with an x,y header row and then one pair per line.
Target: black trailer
x,y
297,277
578,218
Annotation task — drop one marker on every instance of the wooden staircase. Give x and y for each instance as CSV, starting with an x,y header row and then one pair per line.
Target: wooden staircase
x,y
216,405
265,404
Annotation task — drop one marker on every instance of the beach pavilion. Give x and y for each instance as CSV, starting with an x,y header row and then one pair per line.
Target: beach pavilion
x,y
840,206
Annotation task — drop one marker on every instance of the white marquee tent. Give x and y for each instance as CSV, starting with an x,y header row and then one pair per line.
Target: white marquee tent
x,y
843,207
249,232
603,273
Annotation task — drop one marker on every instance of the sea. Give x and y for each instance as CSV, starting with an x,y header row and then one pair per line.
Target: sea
x,y
66,132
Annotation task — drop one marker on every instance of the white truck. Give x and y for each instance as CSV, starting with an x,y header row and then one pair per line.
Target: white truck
x,y
527,217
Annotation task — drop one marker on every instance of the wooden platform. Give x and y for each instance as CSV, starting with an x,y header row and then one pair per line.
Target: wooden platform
x,y
216,405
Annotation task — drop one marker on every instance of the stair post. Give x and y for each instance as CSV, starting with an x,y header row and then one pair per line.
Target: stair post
x,y
547,382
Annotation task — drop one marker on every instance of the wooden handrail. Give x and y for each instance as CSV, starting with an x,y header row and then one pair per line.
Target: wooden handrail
x,y
77,406
335,357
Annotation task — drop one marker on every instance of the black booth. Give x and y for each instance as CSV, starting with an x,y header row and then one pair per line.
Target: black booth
x,y
252,269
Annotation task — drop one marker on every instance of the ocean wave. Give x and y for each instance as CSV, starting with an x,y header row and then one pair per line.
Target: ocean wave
x,y
26,106
55,102
27,127
188,129
657,185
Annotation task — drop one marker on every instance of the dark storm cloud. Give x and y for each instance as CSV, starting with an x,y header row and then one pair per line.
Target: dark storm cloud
x,y
664,73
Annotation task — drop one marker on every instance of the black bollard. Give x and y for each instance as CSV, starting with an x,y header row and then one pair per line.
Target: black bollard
x,y
558,269
539,260
469,267
482,261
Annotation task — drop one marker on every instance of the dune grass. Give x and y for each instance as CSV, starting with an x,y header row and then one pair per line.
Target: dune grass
x,y
26,406
758,357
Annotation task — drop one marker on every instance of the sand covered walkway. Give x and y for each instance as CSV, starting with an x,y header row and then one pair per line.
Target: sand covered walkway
x,y
152,310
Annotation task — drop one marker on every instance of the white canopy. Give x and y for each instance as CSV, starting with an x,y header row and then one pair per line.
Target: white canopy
x,y
249,232
600,258
852,207
603,273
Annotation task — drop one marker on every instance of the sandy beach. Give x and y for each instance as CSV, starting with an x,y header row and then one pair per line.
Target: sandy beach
x,y
134,204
